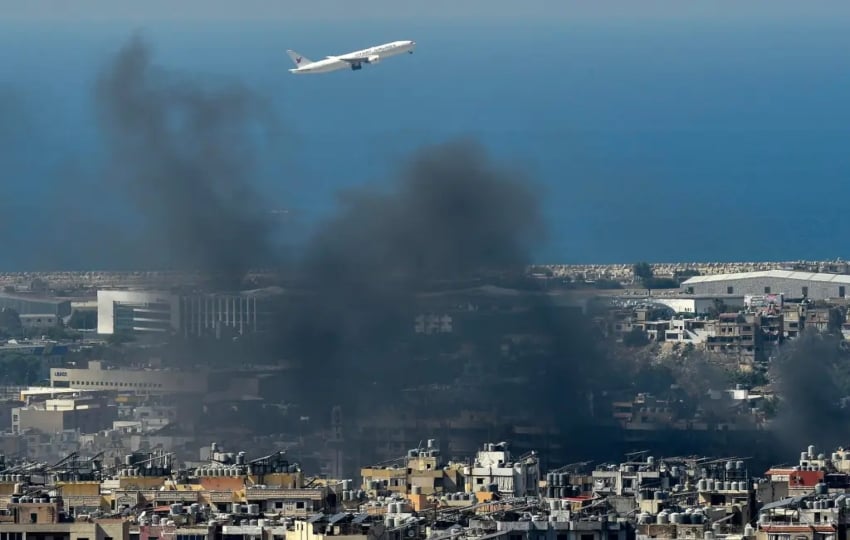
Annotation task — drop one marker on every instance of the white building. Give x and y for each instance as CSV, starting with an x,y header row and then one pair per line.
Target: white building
x,y
815,286
699,305
137,311
493,466
195,315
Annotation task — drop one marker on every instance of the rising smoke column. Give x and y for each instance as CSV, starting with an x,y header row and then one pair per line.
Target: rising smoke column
x,y
451,214
810,373
183,152
448,214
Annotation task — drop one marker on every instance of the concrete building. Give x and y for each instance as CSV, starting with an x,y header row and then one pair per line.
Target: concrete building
x,y
699,305
84,414
137,312
25,304
814,286
194,315
493,470
41,321
227,315
96,377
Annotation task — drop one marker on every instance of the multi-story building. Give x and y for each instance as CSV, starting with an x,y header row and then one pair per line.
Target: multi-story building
x,y
96,377
192,315
494,470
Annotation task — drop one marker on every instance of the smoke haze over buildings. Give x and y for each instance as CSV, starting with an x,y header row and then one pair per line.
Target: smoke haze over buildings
x,y
807,371
185,153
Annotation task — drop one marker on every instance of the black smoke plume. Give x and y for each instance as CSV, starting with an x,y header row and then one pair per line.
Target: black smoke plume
x,y
811,376
452,218
183,152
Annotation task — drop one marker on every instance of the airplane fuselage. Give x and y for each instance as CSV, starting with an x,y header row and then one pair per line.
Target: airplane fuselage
x,y
353,60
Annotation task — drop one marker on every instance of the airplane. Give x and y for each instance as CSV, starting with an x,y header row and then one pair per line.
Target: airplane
x,y
353,60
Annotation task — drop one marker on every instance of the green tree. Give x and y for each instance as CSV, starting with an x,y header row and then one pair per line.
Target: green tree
x,y
19,370
10,322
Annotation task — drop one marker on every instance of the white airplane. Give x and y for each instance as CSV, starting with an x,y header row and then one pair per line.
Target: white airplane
x,y
353,60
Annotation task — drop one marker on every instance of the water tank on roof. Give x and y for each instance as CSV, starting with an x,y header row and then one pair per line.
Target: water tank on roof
x,y
739,465
820,488
821,457
697,518
253,509
749,531
176,508
811,451
804,456
663,517
730,465
702,484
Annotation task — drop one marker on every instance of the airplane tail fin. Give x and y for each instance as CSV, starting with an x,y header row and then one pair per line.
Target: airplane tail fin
x,y
298,59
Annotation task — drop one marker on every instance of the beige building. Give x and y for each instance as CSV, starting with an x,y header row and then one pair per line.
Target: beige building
x,y
97,377
86,414
41,520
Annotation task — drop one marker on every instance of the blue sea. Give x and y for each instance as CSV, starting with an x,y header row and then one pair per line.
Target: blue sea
x,y
713,140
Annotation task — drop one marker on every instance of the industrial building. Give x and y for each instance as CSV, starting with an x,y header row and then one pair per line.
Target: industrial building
x,y
35,305
814,286
219,315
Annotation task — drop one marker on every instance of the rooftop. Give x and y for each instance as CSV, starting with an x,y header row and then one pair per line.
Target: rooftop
x,y
776,274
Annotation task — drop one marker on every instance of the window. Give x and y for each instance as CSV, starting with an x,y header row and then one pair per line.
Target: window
x,y
730,290
805,292
689,290
841,291
767,290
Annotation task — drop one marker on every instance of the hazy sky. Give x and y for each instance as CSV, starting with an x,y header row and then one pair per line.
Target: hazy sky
x,y
435,9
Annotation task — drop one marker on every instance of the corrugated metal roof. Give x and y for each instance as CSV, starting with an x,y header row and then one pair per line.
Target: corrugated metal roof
x,y
776,274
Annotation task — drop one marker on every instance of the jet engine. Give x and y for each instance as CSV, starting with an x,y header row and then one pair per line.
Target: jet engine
x,y
373,59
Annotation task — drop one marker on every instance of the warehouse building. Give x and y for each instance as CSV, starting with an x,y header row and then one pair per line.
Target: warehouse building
x,y
793,285
35,305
